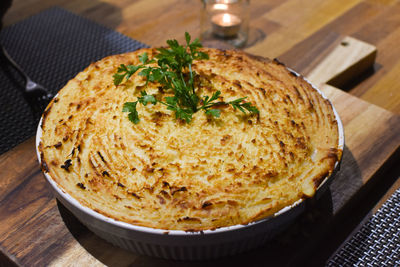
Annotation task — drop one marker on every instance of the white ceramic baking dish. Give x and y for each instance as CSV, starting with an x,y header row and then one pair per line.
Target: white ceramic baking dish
x,y
182,245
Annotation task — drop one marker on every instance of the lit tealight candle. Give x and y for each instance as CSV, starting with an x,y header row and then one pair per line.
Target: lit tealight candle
x,y
226,25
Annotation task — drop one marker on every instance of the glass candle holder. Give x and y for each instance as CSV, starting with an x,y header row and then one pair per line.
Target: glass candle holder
x,y
225,21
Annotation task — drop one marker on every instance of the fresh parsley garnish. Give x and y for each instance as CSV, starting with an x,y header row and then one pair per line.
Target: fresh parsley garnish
x,y
175,74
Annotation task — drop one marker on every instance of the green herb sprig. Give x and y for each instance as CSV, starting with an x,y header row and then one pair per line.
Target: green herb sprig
x,y
175,74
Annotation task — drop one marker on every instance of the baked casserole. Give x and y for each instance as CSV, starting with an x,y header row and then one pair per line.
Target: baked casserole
x,y
167,174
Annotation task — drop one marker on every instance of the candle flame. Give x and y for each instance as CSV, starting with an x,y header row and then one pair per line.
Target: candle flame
x,y
226,18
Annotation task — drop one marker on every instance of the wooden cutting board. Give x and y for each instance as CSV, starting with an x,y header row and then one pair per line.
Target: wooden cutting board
x,y
36,230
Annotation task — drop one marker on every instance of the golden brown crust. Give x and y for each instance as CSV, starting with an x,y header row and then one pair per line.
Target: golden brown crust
x,y
207,174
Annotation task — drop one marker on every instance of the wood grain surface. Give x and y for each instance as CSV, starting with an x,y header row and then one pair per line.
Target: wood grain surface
x,y
37,231
278,28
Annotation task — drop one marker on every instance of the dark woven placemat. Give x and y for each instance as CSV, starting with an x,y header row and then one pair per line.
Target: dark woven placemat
x,y
52,47
377,242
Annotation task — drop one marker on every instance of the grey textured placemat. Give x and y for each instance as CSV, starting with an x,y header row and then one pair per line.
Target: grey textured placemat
x,y
377,243
52,47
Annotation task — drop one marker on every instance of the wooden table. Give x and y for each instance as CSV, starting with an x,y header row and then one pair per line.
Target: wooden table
x,y
35,230
279,28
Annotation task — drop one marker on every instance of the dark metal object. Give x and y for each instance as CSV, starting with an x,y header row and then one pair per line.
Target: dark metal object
x,y
36,95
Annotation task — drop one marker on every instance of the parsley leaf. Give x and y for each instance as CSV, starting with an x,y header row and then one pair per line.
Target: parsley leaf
x,y
242,106
175,74
144,58
214,112
131,108
124,72
145,98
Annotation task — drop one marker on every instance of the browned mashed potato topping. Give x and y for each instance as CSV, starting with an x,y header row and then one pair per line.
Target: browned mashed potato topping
x,y
210,173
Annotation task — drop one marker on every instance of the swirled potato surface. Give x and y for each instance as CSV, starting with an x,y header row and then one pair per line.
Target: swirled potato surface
x,y
209,173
